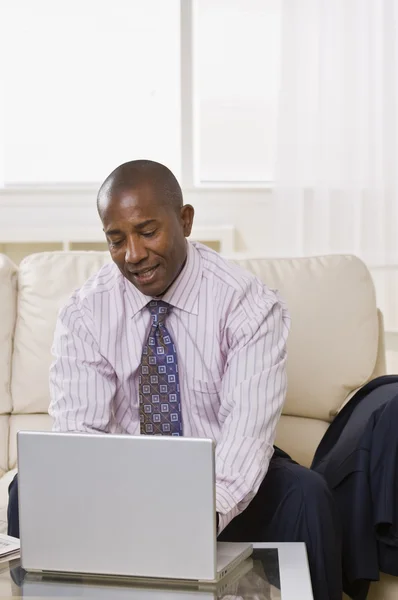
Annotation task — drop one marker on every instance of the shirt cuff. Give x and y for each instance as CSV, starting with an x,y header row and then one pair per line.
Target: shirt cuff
x,y
226,507
226,519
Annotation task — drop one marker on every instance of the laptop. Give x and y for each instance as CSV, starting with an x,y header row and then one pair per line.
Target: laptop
x,y
119,505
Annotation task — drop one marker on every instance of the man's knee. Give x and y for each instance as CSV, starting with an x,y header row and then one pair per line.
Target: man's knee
x,y
312,486
305,493
293,476
13,511
309,510
316,508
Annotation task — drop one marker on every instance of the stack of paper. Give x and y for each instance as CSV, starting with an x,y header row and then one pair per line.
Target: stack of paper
x,y
9,547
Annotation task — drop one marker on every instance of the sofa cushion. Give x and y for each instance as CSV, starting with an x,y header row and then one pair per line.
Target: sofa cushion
x,y
46,281
385,589
8,309
333,343
300,437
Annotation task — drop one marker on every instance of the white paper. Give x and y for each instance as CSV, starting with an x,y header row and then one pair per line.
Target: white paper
x,y
8,545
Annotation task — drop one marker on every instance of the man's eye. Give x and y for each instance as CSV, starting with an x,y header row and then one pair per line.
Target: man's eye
x,y
148,234
115,244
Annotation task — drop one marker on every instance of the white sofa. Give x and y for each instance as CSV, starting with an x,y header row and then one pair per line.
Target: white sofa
x,y
336,345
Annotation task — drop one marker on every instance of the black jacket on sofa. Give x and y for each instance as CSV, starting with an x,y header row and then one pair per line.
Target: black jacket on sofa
x,y
358,456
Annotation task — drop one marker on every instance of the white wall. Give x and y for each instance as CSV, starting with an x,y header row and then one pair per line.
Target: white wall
x,y
53,213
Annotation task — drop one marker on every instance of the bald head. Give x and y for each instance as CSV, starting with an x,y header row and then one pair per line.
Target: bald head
x,y
136,174
146,224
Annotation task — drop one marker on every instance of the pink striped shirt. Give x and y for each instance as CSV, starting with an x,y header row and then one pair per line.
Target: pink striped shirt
x,y
230,332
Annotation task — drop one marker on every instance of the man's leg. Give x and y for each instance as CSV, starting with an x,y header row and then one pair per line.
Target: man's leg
x,y
294,504
13,511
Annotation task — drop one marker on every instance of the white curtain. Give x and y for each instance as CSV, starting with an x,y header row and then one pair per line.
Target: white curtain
x,y
337,159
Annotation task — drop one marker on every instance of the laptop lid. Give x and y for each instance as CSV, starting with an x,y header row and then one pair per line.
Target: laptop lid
x,y
119,505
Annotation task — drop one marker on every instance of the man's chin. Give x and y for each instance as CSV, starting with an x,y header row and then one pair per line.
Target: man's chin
x,y
153,289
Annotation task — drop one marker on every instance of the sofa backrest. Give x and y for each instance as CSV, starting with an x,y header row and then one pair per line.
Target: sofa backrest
x,y
333,341
334,344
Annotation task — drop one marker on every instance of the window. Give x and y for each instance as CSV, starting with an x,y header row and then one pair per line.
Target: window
x,y
236,80
89,84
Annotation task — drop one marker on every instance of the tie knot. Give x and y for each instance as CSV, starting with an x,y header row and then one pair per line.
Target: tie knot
x,y
159,310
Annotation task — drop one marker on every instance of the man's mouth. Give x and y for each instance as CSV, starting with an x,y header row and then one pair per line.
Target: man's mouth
x,y
144,275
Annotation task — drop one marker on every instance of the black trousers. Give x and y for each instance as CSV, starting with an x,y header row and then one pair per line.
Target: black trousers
x,y
293,504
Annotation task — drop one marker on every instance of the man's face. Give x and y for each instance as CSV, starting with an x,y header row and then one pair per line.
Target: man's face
x,y
146,237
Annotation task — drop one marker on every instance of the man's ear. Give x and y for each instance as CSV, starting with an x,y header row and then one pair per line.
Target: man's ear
x,y
187,213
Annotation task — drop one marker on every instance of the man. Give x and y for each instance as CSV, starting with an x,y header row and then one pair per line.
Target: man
x,y
172,339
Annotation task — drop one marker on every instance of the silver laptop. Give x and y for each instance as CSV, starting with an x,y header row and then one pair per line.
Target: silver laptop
x,y
137,506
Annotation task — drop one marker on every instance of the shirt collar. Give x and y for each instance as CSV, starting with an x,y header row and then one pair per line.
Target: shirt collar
x,y
182,294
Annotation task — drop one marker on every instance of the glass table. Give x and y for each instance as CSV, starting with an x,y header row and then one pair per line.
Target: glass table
x,y
274,572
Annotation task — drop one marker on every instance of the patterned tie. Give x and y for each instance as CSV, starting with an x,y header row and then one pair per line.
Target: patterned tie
x,y
159,387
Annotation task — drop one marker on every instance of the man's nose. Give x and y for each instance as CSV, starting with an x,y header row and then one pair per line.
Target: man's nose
x,y
135,251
